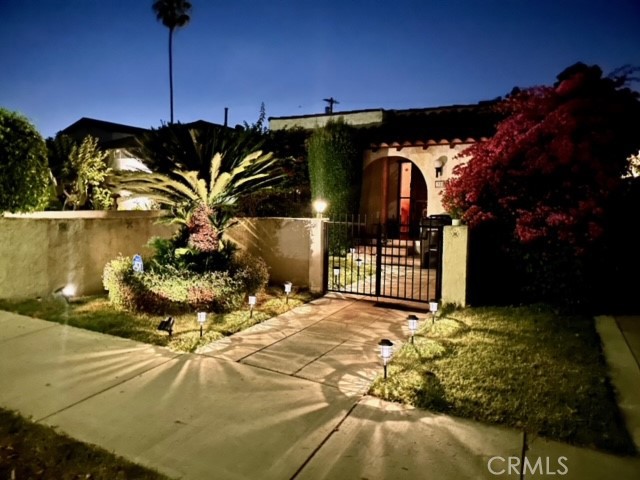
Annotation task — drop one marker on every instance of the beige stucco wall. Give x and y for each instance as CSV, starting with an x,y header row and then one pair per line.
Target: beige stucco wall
x,y
424,158
454,265
314,121
44,251
291,247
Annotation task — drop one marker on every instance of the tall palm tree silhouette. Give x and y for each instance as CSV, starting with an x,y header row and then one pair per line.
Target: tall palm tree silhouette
x,y
173,14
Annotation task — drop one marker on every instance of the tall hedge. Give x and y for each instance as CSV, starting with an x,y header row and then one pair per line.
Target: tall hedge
x,y
335,167
24,172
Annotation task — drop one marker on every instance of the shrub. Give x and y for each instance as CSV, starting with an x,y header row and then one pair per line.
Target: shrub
x,y
124,287
250,270
24,173
335,167
175,291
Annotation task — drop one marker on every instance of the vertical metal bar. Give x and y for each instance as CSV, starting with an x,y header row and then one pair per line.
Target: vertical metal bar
x,y
325,260
378,259
429,252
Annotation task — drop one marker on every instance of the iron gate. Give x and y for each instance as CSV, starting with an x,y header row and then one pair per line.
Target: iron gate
x,y
384,260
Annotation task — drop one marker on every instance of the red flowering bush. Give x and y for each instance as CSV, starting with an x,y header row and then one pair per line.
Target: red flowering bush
x,y
542,185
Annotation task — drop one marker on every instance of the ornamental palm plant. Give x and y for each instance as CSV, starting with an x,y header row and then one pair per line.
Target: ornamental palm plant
x,y
203,205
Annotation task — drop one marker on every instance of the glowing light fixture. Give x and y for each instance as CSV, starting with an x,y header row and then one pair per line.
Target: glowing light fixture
x,y
252,303
433,308
69,291
386,352
287,290
413,325
319,206
202,318
66,292
438,164
336,277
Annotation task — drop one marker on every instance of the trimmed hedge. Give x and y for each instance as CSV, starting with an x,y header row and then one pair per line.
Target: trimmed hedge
x,y
162,292
335,167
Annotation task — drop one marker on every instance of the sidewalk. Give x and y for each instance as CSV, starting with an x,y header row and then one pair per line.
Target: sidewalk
x,y
279,401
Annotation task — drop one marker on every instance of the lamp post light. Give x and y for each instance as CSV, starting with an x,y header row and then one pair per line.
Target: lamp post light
x,y
287,290
413,325
336,277
386,352
359,263
252,303
433,308
202,317
319,206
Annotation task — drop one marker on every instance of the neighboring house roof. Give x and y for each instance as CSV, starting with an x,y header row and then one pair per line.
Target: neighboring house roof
x,y
422,126
109,134
112,135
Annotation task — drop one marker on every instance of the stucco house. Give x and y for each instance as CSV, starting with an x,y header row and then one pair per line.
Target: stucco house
x,y
411,154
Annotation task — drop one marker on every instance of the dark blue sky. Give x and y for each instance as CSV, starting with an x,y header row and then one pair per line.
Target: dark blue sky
x,y
61,60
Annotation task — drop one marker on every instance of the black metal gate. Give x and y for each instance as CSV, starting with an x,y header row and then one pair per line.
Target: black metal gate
x,y
384,260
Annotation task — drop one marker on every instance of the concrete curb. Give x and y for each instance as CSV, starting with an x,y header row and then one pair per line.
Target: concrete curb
x,y
625,373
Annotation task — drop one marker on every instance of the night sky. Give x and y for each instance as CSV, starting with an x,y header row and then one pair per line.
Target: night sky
x,y
66,59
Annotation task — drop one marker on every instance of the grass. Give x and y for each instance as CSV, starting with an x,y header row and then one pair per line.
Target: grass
x,y
349,271
527,367
97,314
32,451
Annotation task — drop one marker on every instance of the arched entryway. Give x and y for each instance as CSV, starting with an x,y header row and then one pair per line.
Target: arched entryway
x,y
394,193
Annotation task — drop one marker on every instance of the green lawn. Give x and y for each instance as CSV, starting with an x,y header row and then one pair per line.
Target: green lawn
x,y
32,451
349,271
96,313
525,367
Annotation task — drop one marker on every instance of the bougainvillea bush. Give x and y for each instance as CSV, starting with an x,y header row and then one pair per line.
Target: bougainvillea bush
x,y
541,194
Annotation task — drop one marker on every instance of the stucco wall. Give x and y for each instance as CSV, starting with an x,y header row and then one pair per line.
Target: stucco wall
x,y
424,159
454,265
291,247
44,251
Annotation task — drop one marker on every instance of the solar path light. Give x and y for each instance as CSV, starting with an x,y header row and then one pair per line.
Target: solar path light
x,y
359,263
413,325
287,290
252,304
336,277
433,308
386,352
202,318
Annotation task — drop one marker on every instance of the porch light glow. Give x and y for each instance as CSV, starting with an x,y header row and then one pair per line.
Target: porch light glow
x,y
320,206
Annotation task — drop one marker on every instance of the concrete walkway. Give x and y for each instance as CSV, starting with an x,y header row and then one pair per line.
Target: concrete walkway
x,y
282,400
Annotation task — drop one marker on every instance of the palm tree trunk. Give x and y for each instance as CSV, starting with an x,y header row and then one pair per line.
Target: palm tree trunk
x,y
171,73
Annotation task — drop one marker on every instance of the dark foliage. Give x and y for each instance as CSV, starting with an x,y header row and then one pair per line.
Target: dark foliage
x,y
24,173
543,195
